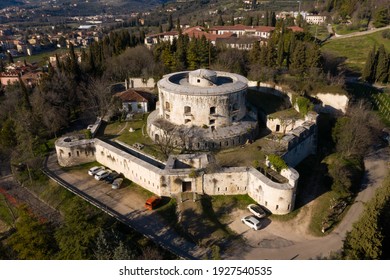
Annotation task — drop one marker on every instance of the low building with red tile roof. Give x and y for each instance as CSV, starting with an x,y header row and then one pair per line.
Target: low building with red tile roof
x,y
136,101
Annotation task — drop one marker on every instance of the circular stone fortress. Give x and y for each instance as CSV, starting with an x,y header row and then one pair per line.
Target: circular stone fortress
x,y
203,110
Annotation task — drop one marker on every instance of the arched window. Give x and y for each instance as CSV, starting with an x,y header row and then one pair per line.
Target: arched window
x,y
213,110
187,110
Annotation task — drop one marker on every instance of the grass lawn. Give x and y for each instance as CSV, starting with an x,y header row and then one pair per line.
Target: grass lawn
x,y
120,131
320,30
241,156
356,49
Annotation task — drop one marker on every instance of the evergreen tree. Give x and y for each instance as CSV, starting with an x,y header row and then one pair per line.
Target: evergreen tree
x,y
170,23
298,59
255,53
33,239
232,20
253,5
273,19
257,20
370,66
249,21
10,58
280,56
382,67
192,55
220,21
266,19
313,55
178,26
271,54
8,134
382,17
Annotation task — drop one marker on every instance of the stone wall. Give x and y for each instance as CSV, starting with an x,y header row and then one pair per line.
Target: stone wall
x,y
135,169
140,83
333,103
212,110
170,179
74,150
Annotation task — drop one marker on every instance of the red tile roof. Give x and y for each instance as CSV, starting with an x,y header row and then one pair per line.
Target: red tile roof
x,y
132,95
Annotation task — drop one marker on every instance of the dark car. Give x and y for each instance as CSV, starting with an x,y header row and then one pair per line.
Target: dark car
x,y
111,177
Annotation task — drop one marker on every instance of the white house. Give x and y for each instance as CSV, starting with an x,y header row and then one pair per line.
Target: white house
x,y
135,101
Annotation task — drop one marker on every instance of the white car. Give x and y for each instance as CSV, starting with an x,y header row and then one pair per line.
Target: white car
x,y
251,222
257,210
95,170
102,174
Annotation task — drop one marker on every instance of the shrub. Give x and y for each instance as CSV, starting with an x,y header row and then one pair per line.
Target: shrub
x,y
277,162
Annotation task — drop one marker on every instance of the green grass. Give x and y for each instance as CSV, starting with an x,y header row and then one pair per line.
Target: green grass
x,y
287,217
42,58
83,166
241,156
138,136
320,212
168,211
355,50
7,211
320,30
140,190
290,113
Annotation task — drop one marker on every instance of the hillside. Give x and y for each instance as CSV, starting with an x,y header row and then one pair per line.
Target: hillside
x,y
355,49
82,7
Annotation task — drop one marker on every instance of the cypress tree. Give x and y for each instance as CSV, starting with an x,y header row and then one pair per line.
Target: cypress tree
x,y
255,53
280,56
298,59
266,19
220,21
232,20
382,67
10,58
170,23
370,66
273,19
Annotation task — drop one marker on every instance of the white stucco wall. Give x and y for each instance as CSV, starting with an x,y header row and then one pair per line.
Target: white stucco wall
x,y
199,114
278,198
136,107
333,102
142,173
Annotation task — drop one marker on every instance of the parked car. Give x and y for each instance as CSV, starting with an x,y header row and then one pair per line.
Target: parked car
x,y
152,202
257,210
102,174
116,184
111,177
95,170
252,222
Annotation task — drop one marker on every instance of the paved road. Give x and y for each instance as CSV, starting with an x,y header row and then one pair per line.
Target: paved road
x,y
361,33
291,241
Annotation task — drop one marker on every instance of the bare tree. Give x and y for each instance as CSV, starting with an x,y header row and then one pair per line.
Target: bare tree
x,y
167,138
357,131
